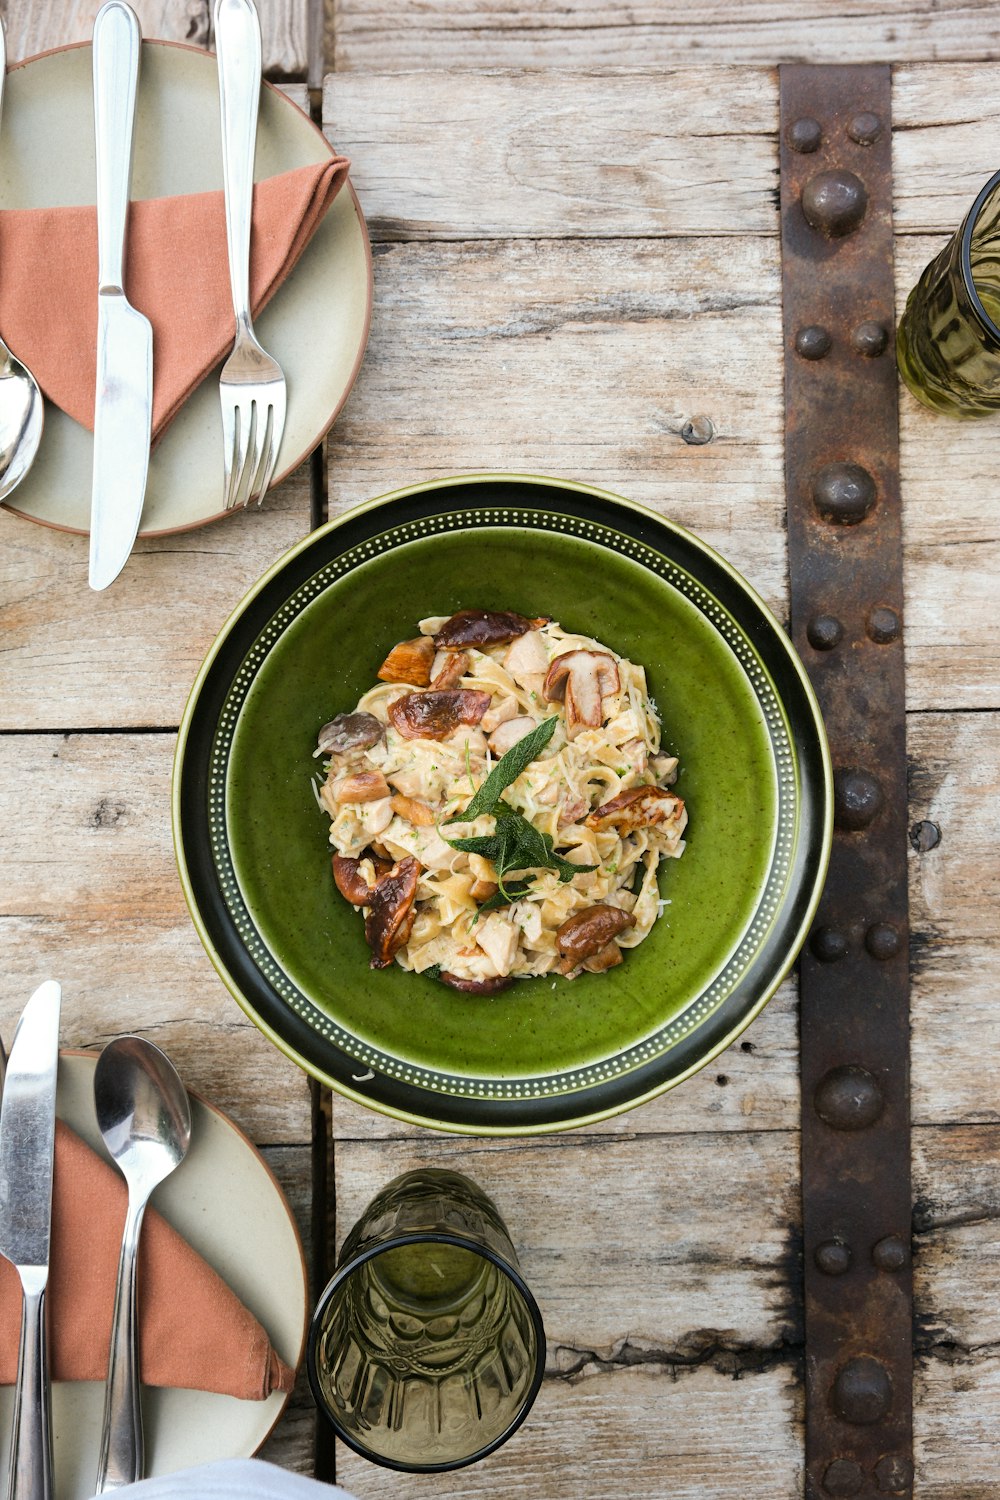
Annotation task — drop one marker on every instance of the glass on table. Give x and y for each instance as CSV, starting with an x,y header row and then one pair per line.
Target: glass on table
x,y
948,344
427,1349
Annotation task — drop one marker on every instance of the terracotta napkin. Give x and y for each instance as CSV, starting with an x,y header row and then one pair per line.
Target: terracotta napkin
x,y
177,273
194,1332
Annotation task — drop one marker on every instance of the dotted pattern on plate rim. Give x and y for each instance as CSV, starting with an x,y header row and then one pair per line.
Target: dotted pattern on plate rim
x,y
746,949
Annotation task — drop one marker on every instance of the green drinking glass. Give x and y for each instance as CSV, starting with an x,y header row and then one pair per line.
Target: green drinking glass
x,y
948,344
426,1349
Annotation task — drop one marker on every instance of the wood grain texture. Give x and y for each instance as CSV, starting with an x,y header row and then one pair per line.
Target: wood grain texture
x,y
463,34
74,659
39,25
291,1444
89,895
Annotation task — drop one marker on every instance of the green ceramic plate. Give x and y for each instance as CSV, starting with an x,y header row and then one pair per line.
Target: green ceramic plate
x,y
736,708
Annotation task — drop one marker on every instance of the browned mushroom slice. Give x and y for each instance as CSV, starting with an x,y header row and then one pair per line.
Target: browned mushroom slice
x,y
350,732
451,671
363,786
413,810
588,931
639,807
582,679
483,627
410,661
391,916
605,958
433,716
476,986
349,880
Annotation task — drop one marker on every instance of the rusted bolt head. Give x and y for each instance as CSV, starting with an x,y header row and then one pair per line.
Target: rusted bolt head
x,y
813,342
857,799
698,431
849,1098
843,1477
890,1254
894,1473
828,944
925,836
870,338
834,202
865,128
804,135
883,940
843,493
862,1391
832,1257
883,625
823,632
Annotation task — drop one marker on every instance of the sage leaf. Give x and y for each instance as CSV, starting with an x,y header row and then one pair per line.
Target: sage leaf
x,y
507,769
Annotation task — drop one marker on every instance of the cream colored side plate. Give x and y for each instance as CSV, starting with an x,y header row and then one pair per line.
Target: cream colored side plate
x,y
316,325
225,1202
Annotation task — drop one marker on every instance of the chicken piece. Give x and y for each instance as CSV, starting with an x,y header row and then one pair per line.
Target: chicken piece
x,y
527,660
639,807
364,786
582,679
497,714
410,662
498,938
506,736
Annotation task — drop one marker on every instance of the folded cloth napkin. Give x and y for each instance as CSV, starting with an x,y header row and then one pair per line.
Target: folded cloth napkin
x,y
176,272
194,1332
233,1479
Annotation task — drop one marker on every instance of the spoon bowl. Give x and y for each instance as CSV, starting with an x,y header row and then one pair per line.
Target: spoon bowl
x,y
21,408
144,1116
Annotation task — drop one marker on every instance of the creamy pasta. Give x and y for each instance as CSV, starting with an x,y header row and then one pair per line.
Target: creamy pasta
x,y
592,806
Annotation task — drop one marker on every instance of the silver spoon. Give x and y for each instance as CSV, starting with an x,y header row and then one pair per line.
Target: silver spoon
x,y
21,410
144,1115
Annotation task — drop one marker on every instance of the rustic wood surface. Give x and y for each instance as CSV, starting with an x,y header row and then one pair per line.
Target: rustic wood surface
x,y
589,258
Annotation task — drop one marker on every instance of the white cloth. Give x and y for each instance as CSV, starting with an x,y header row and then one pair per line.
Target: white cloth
x,y
233,1479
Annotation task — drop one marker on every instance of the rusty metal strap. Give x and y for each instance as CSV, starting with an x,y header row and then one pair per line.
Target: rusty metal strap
x,y
845,558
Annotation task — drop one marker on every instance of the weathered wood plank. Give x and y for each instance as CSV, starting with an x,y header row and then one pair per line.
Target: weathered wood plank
x,y
626,153
371,35
292,1442
651,1306
39,25
89,895
945,121
75,659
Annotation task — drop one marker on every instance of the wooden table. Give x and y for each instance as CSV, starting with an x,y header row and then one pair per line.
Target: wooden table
x,y
569,263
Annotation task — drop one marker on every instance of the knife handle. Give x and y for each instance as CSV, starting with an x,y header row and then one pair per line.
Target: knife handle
x,y
117,45
122,1457
29,1476
237,41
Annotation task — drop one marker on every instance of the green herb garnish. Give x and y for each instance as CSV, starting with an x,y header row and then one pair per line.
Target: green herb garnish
x,y
507,769
516,844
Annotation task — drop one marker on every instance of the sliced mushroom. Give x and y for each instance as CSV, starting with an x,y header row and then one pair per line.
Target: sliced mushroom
x,y
585,933
499,713
414,811
410,661
476,986
639,807
608,957
664,768
449,669
350,732
483,627
506,736
434,716
391,915
363,786
483,890
582,679
349,878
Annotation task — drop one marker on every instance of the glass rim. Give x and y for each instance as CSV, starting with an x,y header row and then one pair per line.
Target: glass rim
x,y
965,252
396,1242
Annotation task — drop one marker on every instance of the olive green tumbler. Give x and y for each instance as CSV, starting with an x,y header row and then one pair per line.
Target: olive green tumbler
x,y
948,344
426,1349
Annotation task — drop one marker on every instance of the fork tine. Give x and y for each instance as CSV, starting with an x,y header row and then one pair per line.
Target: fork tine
x,y
272,446
265,467
228,452
247,411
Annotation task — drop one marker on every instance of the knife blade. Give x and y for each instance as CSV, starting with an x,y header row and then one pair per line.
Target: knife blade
x,y
27,1141
123,407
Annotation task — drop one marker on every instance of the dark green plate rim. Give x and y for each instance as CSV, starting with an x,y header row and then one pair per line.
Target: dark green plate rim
x,y
499,1107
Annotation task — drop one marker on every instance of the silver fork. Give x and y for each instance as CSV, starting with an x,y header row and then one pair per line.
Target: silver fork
x,y
251,386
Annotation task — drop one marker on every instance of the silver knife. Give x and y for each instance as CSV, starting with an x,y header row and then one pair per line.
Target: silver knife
x,y
27,1140
124,406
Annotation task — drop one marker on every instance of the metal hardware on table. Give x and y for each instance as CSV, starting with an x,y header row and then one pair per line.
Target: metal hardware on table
x,y
845,558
